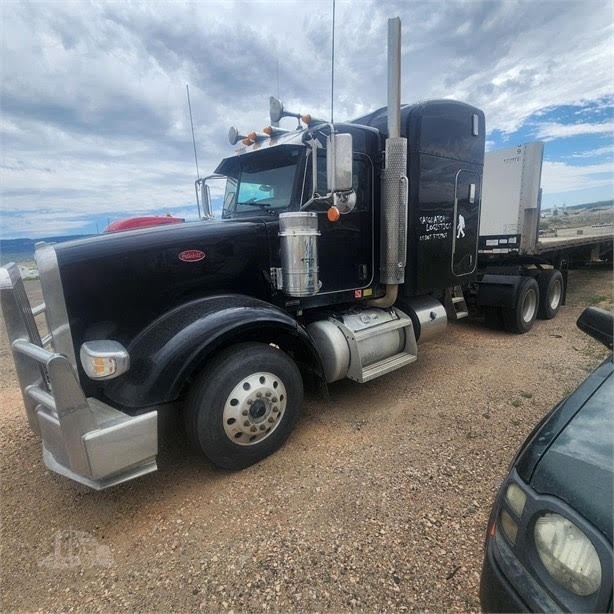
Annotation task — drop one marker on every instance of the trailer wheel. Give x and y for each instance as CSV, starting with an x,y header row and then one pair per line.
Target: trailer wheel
x,y
244,405
520,319
550,293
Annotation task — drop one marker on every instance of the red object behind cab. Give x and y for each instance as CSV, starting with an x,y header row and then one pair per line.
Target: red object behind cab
x,y
132,223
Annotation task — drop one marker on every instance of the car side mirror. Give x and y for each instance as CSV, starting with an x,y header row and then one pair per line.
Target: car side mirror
x,y
598,323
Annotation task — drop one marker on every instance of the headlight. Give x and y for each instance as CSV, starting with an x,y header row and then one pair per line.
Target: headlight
x,y
104,359
567,554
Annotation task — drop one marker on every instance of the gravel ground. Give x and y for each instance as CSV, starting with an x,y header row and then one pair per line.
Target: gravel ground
x,y
378,502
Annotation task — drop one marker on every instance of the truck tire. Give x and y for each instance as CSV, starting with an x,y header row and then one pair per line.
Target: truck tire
x,y
520,319
244,405
550,293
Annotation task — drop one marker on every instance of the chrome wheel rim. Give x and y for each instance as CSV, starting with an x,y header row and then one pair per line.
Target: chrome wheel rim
x,y
529,305
254,408
554,296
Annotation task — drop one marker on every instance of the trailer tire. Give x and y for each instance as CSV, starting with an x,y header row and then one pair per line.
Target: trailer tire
x,y
551,291
244,405
520,319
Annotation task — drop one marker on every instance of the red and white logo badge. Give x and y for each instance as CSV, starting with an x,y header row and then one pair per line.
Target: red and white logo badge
x,y
192,255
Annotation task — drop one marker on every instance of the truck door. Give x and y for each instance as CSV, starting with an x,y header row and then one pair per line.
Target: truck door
x,y
466,222
345,247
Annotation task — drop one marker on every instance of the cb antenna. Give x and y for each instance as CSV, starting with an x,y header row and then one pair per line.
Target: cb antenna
x,y
192,125
332,69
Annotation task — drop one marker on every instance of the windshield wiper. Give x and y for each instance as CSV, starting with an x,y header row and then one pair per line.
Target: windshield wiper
x,y
262,206
254,203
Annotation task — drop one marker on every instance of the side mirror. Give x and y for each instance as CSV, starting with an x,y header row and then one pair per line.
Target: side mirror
x,y
598,323
234,136
276,110
204,197
339,162
207,210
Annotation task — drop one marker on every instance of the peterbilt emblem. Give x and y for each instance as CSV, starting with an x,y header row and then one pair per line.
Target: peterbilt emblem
x,y
192,255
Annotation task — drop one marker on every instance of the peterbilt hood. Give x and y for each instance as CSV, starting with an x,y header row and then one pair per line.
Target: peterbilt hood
x,y
578,466
114,285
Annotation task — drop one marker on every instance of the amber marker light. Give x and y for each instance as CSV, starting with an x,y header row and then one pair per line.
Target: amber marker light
x,y
104,359
306,119
492,529
333,214
268,130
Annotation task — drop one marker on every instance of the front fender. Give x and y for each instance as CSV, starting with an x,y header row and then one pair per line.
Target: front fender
x,y
172,348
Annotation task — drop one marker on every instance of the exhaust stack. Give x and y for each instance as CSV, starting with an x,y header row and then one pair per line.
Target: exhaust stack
x,y
394,78
393,239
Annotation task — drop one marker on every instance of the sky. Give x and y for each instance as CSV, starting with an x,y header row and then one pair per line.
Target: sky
x,y
95,126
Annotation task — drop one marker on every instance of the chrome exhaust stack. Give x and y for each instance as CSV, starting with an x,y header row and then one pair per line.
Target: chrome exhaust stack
x,y
395,186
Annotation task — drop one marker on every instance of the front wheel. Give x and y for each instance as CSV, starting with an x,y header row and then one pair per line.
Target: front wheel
x,y
244,405
521,318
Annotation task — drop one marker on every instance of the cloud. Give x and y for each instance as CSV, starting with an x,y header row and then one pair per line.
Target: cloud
x,y
533,56
596,153
560,177
94,112
551,131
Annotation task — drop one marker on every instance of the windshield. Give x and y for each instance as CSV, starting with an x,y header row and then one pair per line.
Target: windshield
x,y
260,181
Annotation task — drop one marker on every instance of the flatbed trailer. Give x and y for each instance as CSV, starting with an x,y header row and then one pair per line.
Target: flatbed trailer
x,y
522,272
591,245
511,213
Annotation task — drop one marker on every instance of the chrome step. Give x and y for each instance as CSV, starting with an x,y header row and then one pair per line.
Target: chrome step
x,y
387,365
455,304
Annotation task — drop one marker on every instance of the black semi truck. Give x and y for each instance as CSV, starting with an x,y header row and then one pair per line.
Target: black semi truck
x,y
339,248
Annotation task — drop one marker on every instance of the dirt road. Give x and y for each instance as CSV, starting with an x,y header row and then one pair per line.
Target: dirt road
x,y
378,502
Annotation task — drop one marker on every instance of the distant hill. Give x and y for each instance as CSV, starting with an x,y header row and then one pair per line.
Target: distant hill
x,y
22,250
602,204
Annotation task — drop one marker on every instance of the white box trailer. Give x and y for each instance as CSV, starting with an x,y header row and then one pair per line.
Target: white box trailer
x,y
511,198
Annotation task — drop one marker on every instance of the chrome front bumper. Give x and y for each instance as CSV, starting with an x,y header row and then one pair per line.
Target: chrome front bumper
x,y
83,438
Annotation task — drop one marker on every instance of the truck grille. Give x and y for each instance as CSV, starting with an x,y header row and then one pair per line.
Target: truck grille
x,y
55,307
29,348
83,438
